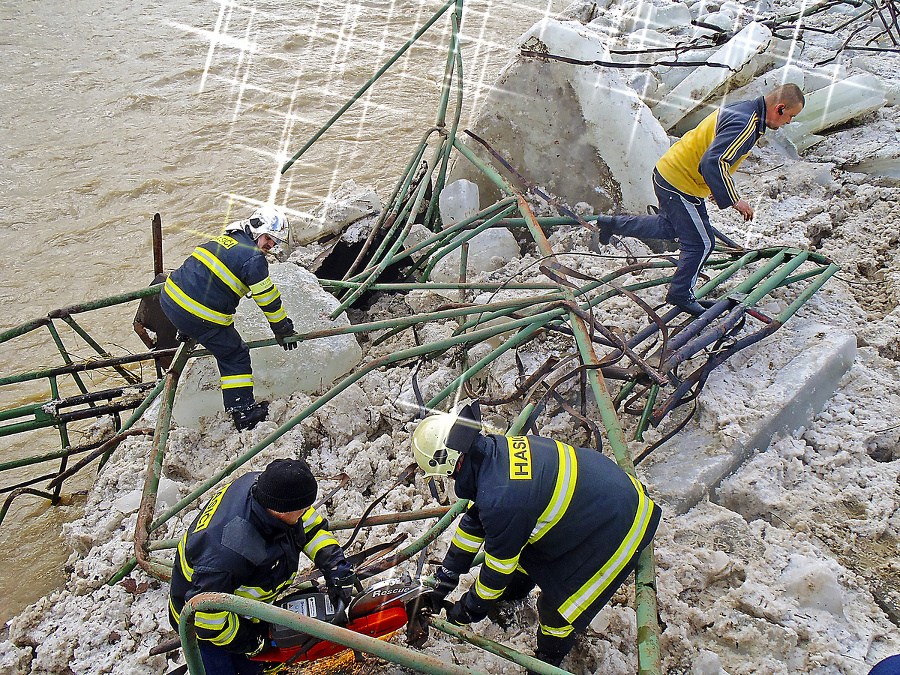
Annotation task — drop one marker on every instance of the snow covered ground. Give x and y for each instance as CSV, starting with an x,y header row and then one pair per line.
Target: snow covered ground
x,y
793,568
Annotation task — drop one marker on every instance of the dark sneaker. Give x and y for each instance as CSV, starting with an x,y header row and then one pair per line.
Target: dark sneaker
x,y
605,229
690,305
249,416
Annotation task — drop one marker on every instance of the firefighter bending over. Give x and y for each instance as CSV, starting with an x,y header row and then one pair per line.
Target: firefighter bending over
x,y
565,519
200,298
247,542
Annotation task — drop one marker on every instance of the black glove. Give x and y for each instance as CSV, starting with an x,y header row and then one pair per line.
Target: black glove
x,y
341,588
447,581
282,330
458,614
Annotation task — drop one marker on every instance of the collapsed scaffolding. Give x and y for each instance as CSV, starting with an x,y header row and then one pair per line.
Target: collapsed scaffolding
x,y
645,367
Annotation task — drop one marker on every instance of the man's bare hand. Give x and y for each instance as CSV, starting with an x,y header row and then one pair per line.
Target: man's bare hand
x,y
745,209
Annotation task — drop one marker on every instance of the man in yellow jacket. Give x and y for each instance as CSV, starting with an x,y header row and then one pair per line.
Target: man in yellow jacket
x,y
700,165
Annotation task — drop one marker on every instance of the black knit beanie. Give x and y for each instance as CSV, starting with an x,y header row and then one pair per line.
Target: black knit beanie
x,y
286,485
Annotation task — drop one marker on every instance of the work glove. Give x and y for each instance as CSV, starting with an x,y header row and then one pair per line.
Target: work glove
x,y
462,615
458,614
341,588
283,330
447,581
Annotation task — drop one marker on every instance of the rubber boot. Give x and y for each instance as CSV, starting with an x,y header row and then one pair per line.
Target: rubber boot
x,y
249,416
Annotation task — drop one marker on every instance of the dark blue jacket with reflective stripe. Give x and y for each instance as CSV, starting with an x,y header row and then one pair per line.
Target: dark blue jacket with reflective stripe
x,y
236,546
212,281
561,513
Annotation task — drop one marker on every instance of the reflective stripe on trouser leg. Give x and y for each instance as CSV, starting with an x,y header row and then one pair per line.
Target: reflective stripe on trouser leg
x,y
233,358
695,241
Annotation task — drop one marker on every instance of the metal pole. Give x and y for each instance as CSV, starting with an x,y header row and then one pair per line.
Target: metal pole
x,y
218,602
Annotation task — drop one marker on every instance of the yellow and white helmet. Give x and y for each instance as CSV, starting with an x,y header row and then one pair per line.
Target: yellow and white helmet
x,y
429,445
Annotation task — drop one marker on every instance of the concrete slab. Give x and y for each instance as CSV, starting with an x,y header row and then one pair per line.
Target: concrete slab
x,y
776,388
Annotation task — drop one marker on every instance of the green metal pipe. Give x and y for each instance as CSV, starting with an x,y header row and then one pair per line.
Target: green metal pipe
x,y
644,422
456,20
129,377
772,283
77,309
217,602
807,293
65,355
157,453
400,211
389,518
365,87
489,645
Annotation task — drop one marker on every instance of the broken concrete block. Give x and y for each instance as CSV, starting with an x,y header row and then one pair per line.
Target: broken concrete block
x,y
348,203
580,132
310,368
825,108
705,82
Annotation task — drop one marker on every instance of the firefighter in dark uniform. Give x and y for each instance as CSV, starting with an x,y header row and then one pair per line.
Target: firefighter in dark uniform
x,y
200,298
700,165
247,542
566,519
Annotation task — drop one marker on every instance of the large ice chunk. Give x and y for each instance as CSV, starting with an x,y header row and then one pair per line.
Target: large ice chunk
x,y
578,131
705,82
825,108
313,366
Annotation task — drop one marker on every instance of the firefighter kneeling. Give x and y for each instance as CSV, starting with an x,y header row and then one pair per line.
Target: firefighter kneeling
x,y
565,519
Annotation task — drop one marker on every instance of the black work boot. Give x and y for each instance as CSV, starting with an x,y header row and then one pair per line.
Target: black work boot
x,y
249,416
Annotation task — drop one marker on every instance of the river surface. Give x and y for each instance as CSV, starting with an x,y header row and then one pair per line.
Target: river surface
x,y
115,110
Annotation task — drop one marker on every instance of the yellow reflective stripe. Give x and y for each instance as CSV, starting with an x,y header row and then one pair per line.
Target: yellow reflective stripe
x,y
275,317
324,538
739,141
501,566
265,299
228,634
466,541
173,612
311,518
566,478
264,291
256,593
235,381
591,590
556,632
191,306
486,593
218,268
729,154
186,570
